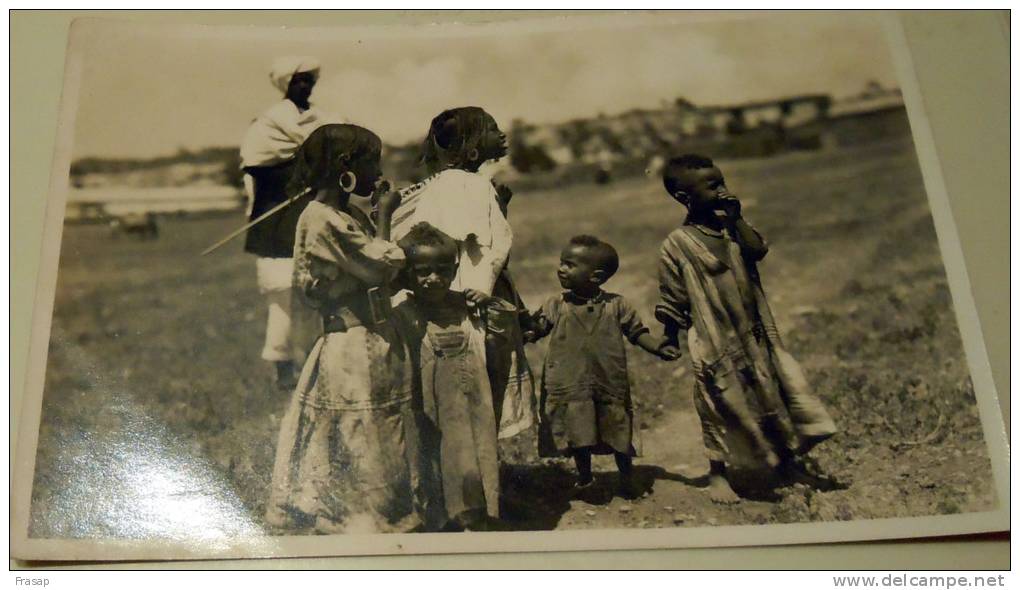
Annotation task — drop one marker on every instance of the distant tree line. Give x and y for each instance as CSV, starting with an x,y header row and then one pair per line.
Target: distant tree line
x,y
229,159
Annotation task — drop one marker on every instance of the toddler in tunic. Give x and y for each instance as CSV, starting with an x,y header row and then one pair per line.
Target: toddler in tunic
x,y
748,388
586,406
447,332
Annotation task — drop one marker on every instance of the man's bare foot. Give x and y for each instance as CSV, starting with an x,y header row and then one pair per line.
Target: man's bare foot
x,y
720,492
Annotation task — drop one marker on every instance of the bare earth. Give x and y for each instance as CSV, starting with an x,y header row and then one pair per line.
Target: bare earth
x,y
160,419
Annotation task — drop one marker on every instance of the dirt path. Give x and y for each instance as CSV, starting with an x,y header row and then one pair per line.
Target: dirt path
x,y
672,470
672,473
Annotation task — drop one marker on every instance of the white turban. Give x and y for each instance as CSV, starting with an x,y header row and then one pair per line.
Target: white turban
x,y
284,69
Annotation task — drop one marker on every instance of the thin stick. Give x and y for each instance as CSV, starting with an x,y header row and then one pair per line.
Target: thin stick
x,y
255,221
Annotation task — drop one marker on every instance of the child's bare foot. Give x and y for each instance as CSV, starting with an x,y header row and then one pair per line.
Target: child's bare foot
x,y
794,472
809,442
582,485
720,492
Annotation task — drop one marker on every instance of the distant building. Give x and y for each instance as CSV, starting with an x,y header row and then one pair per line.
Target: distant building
x,y
873,98
876,113
783,112
638,134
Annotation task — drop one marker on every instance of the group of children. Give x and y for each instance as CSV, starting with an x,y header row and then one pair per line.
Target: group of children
x,y
395,421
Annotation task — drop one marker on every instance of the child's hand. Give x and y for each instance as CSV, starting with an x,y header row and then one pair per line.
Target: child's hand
x,y
669,353
387,202
381,188
529,337
730,206
535,327
476,297
668,349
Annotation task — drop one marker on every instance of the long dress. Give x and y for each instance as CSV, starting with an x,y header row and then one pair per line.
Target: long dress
x,y
586,400
463,205
347,458
458,426
748,389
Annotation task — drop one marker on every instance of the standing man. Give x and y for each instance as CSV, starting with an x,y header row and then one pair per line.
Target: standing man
x,y
267,159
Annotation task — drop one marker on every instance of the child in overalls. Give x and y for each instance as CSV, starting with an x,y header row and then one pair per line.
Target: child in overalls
x,y
447,333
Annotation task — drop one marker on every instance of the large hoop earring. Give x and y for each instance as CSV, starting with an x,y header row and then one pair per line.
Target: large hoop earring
x,y
473,155
346,185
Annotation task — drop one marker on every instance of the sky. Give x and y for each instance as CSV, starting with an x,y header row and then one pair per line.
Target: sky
x,y
148,91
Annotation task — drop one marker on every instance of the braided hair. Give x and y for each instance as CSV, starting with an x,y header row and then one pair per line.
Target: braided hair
x,y
327,153
453,135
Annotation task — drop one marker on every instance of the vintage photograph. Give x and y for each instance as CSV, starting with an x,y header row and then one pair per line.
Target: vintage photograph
x,y
639,280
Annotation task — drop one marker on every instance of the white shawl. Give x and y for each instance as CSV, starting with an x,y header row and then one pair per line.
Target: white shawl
x,y
463,206
275,135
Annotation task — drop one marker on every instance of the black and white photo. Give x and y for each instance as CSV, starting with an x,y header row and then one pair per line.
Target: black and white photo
x,y
617,281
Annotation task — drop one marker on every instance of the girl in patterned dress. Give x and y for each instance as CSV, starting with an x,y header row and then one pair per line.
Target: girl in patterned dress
x,y
347,459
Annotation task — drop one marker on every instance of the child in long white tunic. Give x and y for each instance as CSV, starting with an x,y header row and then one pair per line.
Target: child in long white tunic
x,y
463,203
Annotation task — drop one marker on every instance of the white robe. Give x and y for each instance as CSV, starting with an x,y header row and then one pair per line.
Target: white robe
x,y
462,205
275,135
